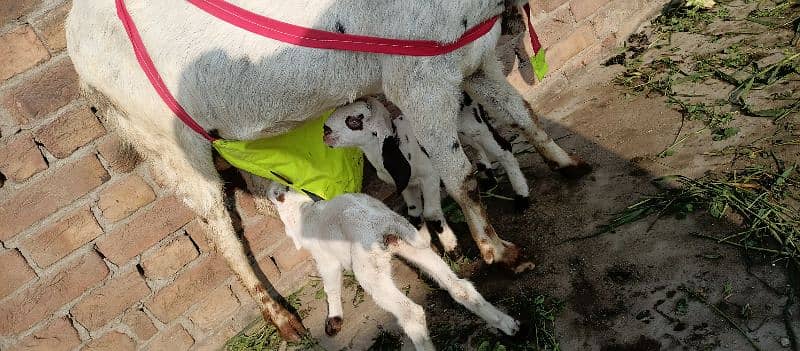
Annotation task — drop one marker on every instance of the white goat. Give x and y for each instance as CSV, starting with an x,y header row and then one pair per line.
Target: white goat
x,y
391,147
243,86
358,232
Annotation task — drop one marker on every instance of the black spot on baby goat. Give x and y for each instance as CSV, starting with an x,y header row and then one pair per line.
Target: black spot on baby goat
x,y
395,163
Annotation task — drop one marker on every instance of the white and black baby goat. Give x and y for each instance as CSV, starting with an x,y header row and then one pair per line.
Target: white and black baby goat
x,y
391,147
358,232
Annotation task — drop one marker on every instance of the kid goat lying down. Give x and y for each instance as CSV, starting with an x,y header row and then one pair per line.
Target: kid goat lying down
x,y
391,147
358,232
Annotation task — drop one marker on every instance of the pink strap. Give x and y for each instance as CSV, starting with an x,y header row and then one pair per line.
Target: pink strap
x,y
534,38
152,74
319,39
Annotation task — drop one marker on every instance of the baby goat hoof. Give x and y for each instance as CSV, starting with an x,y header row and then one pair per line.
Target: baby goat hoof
x,y
333,325
576,171
521,203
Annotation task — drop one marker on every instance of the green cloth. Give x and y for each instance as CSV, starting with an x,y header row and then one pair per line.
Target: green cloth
x,y
299,159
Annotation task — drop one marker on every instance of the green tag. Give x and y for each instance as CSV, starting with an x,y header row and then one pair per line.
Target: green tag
x,y
539,64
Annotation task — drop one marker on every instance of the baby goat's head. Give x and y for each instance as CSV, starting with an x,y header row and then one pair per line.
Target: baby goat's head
x,y
281,195
356,124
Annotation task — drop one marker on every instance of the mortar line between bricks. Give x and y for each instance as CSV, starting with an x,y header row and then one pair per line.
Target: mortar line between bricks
x,y
62,311
53,166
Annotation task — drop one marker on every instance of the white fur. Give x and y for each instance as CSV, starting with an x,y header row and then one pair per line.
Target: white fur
x,y
422,195
355,231
244,86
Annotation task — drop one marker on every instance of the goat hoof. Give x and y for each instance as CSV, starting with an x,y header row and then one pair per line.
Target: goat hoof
x,y
289,327
521,203
333,325
510,254
577,170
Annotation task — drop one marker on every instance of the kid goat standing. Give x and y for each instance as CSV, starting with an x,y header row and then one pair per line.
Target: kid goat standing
x,y
358,232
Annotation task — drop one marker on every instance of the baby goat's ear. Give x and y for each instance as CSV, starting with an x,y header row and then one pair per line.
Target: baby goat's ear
x,y
395,163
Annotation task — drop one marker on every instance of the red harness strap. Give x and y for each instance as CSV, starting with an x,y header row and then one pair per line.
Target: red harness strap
x,y
319,39
152,74
534,38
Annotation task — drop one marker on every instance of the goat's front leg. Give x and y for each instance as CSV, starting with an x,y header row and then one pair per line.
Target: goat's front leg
x,y
433,214
432,105
331,274
413,197
489,87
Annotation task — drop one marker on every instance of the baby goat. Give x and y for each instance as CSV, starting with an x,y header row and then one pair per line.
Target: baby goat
x,y
358,232
391,147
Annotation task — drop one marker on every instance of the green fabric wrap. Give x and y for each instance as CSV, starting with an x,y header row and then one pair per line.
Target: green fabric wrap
x,y
299,159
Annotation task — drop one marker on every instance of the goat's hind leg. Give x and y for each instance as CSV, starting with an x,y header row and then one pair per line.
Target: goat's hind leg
x,y
331,273
460,289
373,270
489,87
196,181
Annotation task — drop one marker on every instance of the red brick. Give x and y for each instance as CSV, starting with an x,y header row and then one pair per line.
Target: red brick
x,y
43,93
584,8
198,232
565,49
172,339
263,234
45,196
51,27
70,131
552,28
220,305
58,336
14,9
15,272
42,299
144,230
20,50
124,197
545,5
287,256
140,324
188,288
170,258
120,156
110,300
112,340
63,237
21,158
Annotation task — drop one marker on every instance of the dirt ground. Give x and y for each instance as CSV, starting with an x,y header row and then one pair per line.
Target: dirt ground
x,y
649,285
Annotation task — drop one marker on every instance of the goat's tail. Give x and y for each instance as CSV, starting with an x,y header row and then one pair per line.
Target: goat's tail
x,y
406,232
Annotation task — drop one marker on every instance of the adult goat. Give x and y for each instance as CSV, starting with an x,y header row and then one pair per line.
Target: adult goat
x,y
242,86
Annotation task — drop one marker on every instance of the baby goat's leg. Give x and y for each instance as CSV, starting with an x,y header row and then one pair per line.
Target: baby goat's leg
x,y
433,214
460,289
374,272
331,273
431,105
413,197
510,164
489,87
